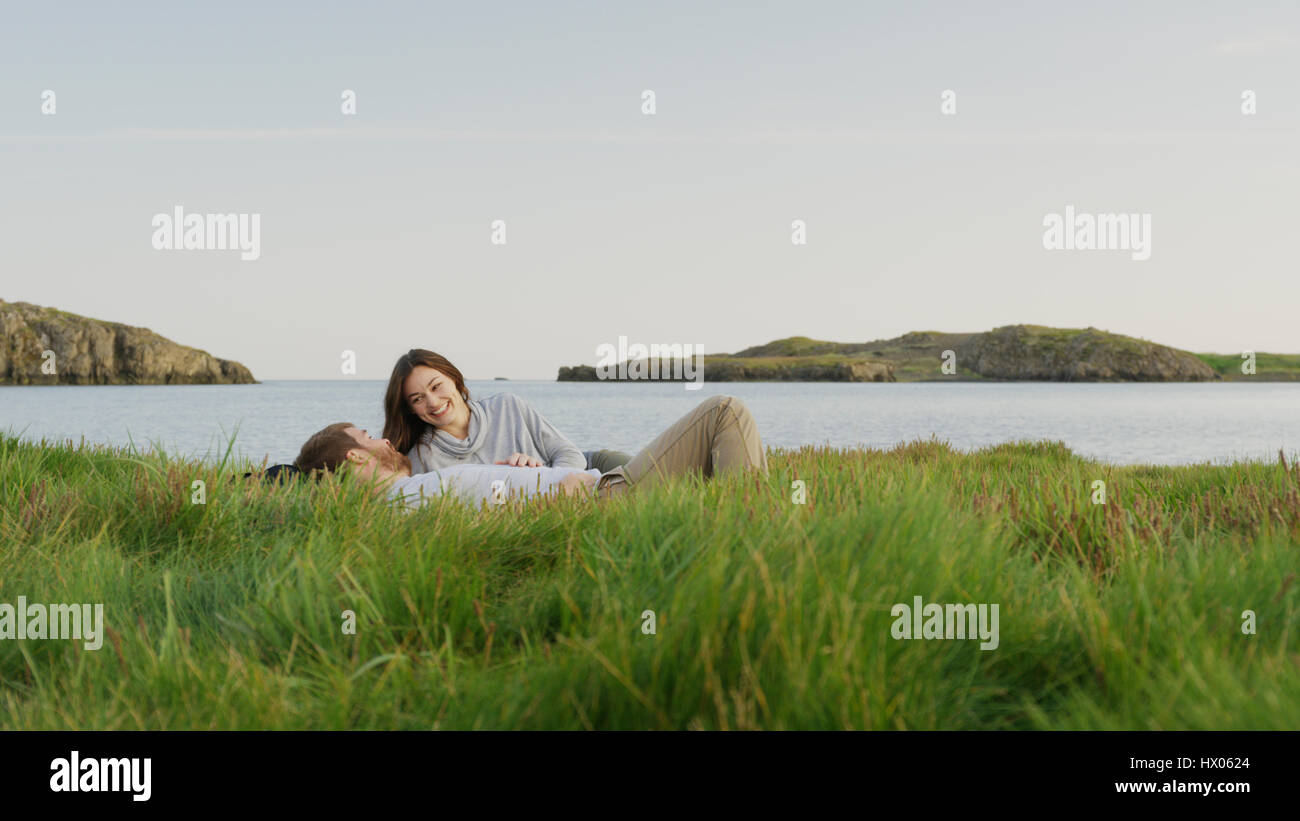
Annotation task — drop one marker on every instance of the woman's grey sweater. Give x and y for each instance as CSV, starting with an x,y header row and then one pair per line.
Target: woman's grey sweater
x,y
499,426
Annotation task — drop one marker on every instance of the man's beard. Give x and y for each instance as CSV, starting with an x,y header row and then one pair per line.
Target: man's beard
x,y
396,462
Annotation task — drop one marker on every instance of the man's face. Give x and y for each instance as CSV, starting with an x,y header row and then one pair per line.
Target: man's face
x,y
380,450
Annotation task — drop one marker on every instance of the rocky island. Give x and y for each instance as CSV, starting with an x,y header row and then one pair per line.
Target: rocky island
x,y
45,346
1009,353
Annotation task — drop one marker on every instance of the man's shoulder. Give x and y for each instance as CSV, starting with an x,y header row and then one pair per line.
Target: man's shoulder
x,y
464,470
439,480
417,479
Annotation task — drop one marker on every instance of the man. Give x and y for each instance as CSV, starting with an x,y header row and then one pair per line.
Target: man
x,y
718,437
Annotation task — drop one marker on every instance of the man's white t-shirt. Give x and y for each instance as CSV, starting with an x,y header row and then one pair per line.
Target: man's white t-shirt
x,y
494,484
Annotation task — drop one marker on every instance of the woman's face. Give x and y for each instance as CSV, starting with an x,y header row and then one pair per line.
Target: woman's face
x,y
432,396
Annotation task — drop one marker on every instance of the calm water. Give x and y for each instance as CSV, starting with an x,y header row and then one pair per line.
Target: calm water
x,y
1121,423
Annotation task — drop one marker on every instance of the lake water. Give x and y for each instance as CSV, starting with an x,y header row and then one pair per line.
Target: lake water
x,y
1121,423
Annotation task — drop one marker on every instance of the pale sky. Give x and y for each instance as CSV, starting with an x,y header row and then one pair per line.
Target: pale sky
x,y
671,228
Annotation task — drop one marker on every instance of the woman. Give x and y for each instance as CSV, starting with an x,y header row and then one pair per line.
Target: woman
x,y
429,416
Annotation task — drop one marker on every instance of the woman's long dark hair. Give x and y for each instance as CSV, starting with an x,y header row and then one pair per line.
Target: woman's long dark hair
x,y
402,428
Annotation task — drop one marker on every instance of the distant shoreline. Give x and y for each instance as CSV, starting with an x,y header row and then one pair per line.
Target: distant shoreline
x,y
1013,353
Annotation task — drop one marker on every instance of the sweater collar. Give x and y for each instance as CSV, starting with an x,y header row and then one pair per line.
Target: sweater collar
x,y
457,447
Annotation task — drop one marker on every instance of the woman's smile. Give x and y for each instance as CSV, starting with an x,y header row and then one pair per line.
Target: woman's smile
x,y
435,399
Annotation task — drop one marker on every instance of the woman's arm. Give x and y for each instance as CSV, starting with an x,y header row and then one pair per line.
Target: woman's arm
x,y
556,449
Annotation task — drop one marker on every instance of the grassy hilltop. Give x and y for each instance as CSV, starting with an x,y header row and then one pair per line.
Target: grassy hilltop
x,y
1269,367
1013,352
770,614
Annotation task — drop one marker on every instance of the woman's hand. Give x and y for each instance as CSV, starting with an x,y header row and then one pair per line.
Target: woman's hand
x,y
519,460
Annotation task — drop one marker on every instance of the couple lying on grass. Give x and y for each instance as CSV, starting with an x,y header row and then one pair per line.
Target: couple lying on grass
x,y
437,441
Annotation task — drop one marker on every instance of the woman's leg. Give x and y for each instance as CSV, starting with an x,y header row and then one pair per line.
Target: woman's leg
x,y
718,437
606,460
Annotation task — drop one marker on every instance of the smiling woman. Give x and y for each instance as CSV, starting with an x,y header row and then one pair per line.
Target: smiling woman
x,y
429,416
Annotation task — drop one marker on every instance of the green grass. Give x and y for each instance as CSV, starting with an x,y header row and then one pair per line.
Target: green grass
x,y
1269,367
769,614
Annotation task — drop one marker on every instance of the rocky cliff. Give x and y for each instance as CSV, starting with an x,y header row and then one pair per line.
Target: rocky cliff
x,y
44,346
1034,352
775,369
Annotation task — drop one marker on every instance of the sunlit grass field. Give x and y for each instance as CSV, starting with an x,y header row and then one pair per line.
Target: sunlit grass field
x,y
768,614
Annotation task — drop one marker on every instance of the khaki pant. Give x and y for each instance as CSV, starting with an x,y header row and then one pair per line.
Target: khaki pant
x,y
605,460
718,437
